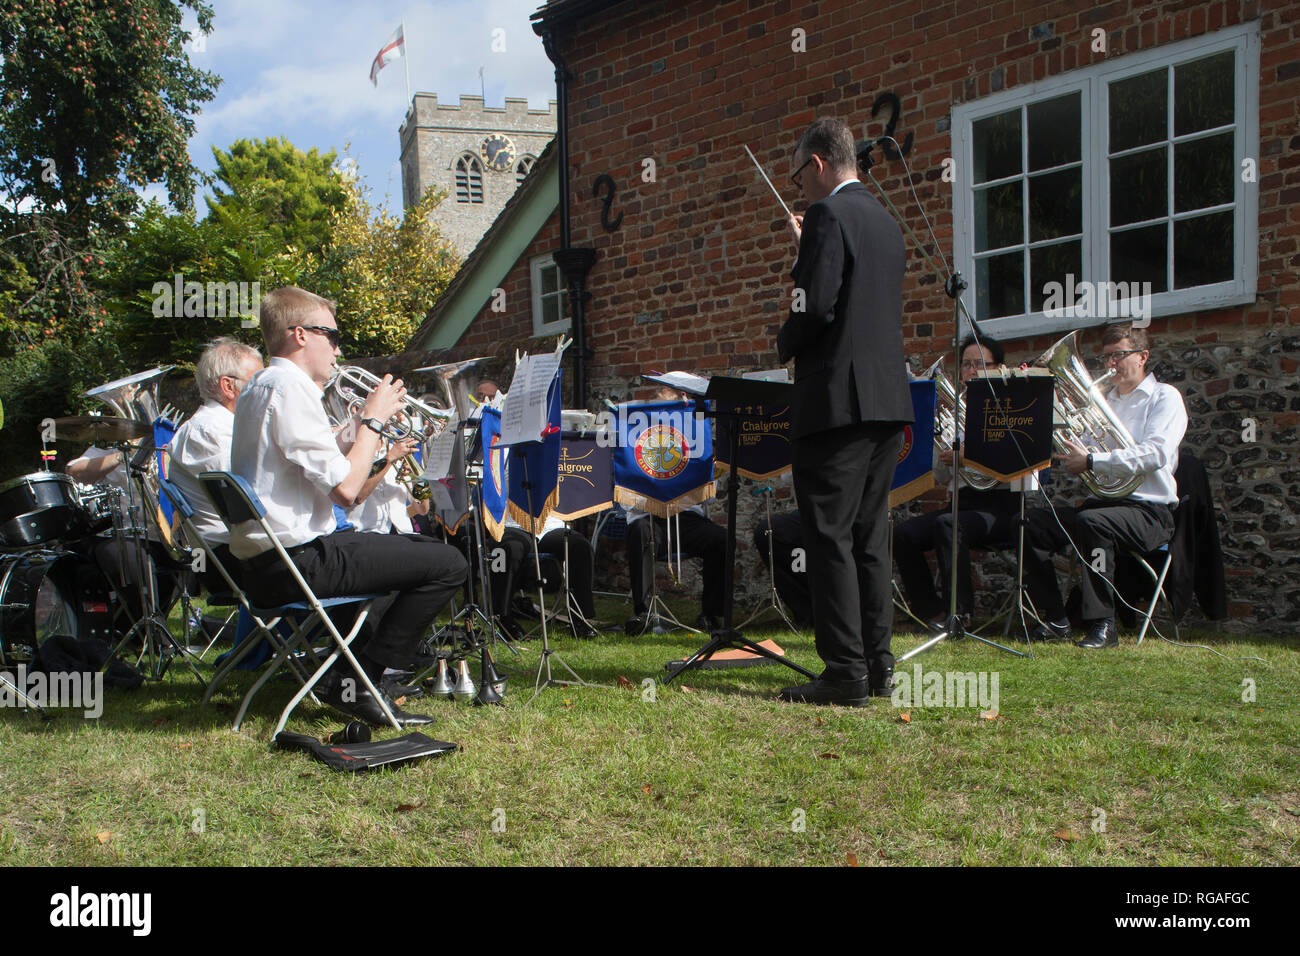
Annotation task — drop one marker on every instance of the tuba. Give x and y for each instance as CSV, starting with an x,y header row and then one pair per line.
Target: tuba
x,y
344,398
946,430
136,397
455,385
1083,416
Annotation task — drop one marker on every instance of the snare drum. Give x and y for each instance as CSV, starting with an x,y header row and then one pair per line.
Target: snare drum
x,y
39,509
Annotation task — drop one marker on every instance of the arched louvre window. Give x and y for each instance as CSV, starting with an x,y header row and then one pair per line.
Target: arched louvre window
x,y
523,168
469,179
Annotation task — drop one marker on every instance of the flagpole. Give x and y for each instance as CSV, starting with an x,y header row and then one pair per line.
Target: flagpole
x,y
406,61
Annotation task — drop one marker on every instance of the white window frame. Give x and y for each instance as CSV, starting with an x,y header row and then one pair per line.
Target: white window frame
x,y
535,267
1092,83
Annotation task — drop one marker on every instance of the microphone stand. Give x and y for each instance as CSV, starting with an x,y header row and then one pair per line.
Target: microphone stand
x,y
953,629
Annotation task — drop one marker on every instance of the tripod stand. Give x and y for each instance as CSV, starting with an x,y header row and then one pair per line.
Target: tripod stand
x,y
774,602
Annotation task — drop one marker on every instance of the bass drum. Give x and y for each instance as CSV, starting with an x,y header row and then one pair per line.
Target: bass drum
x,y
39,509
44,593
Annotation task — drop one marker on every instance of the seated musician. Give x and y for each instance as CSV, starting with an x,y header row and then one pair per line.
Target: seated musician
x,y
202,443
693,534
985,517
789,573
515,571
122,560
1156,417
284,447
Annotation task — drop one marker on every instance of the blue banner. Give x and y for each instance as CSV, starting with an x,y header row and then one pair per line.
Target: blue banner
x,y
663,457
914,473
534,470
586,477
494,472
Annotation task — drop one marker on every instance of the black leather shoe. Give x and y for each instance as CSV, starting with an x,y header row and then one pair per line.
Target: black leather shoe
x,y
1100,634
394,689
643,623
707,624
1051,631
363,706
845,693
881,685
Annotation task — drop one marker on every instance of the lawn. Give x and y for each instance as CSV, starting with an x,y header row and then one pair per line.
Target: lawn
x,y
1146,756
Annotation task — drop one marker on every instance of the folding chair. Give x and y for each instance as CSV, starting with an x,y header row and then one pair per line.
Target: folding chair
x,y
1148,562
236,502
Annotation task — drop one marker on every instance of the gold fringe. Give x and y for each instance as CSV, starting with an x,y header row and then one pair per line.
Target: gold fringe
x,y
665,509
526,521
1019,473
917,486
594,509
723,467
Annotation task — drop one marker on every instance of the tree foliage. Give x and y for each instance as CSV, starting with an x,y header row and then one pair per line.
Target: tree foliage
x,y
292,194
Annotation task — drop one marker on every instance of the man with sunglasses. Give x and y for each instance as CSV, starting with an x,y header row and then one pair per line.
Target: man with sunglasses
x,y
1156,417
284,447
849,405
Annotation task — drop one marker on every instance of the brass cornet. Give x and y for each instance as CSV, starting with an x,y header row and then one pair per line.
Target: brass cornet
x,y
345,397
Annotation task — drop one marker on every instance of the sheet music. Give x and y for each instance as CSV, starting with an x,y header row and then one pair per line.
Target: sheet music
x,y
682,381
437,457
524,416
769,375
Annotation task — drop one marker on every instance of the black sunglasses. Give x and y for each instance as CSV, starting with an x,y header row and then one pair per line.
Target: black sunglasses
x,y
795,178
330,333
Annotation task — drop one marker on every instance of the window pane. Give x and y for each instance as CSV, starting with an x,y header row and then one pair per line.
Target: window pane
x,y
1138,110
550,310
1056,204
997,146
1203,250
550,279
1139,256
1052,264
1139,187
1203,173
1204,93
998,218
999,285
1054,132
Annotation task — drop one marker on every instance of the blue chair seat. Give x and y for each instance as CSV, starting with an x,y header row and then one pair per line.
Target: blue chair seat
x,y
324,602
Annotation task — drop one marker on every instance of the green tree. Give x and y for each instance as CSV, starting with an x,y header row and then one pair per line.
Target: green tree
x,y
294,195
384,271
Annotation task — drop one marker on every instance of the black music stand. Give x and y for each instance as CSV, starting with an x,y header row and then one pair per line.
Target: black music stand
x,y
737,392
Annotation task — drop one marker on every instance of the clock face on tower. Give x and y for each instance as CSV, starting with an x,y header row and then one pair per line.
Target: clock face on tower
x,y
497,152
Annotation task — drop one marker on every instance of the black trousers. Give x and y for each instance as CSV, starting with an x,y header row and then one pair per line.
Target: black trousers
x,y
513,569
647,538
422,573
984,518
1097,529
790,572
841,481
126,564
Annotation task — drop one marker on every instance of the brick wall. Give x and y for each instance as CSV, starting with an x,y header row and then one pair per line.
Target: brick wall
x,y
698,274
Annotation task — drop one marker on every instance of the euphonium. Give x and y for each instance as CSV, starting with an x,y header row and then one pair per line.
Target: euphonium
x,y
946,431
1084,418
344,398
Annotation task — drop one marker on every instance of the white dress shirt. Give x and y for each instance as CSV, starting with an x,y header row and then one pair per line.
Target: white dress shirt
x,y
1156,417
284,448
384,508
202,443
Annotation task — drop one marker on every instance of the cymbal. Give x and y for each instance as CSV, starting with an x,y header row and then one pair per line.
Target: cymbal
x,y
99,429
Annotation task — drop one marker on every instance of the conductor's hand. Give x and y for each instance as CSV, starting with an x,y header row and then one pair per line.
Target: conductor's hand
x,y
795,225
385,400
1075,461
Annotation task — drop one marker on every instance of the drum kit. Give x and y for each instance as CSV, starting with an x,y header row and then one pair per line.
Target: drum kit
x,y
49,524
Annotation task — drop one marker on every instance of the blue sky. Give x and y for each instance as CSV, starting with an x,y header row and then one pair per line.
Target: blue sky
x,y
300,69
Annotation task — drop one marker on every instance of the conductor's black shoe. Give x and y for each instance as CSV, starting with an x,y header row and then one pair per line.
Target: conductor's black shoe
x,y
583,628
643,623
514,630
845,693
881,685
707,624
1100,634
354,700
394,688
1051,631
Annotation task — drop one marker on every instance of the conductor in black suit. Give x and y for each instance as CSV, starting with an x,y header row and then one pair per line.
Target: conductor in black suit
x,y
849,407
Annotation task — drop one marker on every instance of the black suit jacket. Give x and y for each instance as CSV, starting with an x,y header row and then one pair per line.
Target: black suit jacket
x,y
847,341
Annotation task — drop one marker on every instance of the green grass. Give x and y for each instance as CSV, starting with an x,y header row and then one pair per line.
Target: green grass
x,y
1157,737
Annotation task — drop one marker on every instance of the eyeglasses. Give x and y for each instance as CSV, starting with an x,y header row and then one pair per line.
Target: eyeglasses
x,y
329,332
795,178
1118,355
971,366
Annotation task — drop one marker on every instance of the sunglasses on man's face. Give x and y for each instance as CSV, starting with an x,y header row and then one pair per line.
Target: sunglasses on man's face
x,y
329,332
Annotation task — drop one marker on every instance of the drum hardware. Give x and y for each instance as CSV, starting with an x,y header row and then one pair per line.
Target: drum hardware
x,y
39,509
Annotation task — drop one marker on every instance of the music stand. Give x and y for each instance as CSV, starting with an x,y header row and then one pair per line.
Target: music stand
x,y
737,392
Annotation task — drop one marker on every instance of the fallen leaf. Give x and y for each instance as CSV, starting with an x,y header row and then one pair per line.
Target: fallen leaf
x,y
905,716
990,715
770,753
1069,836
828,756
851,859
408,807
686,690
184,746
647,789
305,776
625,683
880,853
819,721
103,836
400,701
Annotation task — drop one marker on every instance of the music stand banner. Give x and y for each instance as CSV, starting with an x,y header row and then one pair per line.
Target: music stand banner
x,y
494,473
533,470
586,477
914,473
1009,424
764,450
663,459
